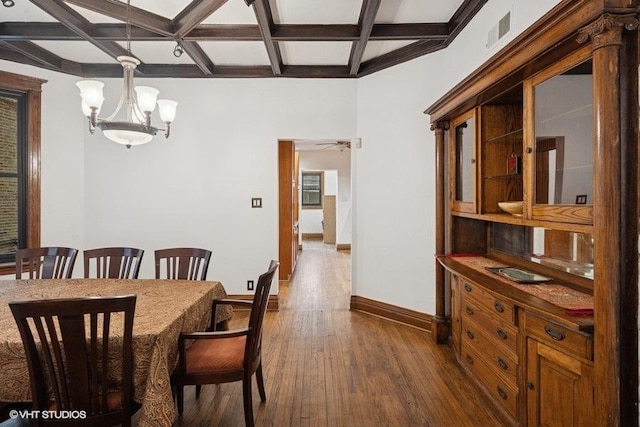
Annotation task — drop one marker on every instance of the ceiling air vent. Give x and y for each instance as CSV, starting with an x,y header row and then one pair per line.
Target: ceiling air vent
x,y
499,30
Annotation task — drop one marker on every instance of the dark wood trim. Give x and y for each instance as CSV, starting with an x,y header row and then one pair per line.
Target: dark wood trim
x,y
187,29
272,305
343,247
365,24
33,89
192,15
392,312
118,10
441,329
262,9
79,25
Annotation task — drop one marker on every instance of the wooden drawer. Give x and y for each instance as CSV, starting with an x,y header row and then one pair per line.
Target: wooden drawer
x,y
497,306
560,337
501,390
475,317
500,357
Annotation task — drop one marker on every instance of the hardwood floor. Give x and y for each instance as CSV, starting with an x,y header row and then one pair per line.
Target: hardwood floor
x,y
327,366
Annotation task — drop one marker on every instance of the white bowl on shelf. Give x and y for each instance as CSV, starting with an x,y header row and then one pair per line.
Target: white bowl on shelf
x,y
514,208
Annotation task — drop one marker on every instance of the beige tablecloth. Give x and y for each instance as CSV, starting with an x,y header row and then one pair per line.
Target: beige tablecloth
x,y
164,308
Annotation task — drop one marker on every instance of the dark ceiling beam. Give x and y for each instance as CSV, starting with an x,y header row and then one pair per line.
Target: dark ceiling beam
x,y
213,32
36,31
194,14
262,11
305,32
417,31
399,56
36,53
367,17
198,56
78,24
316,71
209,32
29,53
137,17
465,13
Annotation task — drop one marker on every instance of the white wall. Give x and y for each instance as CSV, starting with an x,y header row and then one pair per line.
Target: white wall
x,y
393,174
195,189
340,162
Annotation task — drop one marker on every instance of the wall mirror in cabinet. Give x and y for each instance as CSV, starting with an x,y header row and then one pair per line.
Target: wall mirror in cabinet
x,y
462,163
559,148
559,252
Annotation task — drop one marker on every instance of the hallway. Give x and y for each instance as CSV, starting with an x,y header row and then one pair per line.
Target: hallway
x,y
328,366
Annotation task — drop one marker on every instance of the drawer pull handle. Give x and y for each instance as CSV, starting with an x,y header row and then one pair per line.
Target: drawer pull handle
x,y
499,307
470,334
529,385
469,360
501,333
469,311
554,333
502,393
467,287
503,364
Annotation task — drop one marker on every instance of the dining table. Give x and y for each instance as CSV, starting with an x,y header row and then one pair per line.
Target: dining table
x,y
164,309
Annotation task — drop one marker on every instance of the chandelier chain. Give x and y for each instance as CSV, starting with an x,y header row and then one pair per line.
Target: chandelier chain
x,y
128,27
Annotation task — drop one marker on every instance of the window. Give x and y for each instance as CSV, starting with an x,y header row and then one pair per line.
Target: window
x,y
19,166
312,190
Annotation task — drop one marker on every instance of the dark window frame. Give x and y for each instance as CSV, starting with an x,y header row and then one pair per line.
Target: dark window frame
x,y
29,90
305,203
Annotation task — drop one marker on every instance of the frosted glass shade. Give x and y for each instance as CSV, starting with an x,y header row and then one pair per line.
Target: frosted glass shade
x,y
167,110
91,93
127,137
147,98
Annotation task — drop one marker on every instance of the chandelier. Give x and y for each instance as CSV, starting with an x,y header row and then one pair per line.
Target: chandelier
x,y
138,102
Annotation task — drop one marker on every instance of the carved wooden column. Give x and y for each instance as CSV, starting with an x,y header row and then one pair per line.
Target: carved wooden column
x,y
440,328
608,213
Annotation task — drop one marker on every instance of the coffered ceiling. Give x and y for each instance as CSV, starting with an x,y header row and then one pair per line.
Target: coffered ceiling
x,y
228,38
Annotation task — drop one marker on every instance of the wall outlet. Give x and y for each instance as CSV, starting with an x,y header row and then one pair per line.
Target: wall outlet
x,y
249,285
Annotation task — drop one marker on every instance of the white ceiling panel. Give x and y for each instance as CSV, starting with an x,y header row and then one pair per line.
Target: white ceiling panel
x,y
315,53
24,11
412,11
236,53
233,12
377,48
94,17
166,8
78,51
316,11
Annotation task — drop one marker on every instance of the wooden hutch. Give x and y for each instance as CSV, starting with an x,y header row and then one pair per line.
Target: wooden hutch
x,y
550,121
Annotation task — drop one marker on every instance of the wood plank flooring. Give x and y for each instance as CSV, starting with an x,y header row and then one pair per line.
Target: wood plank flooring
x,y
327,366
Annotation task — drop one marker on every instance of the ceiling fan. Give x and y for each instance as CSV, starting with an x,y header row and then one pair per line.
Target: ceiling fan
x,y
340,144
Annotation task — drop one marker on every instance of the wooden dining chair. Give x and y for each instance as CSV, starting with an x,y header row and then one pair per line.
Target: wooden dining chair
x,y
226,356
112,263
182,263
75,369
46,263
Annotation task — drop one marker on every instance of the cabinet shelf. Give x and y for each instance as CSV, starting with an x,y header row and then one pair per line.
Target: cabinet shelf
x,y
515,220
513,137
505,176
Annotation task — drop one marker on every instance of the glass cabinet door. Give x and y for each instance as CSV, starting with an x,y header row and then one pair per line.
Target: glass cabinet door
x,y
463,163
560,144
